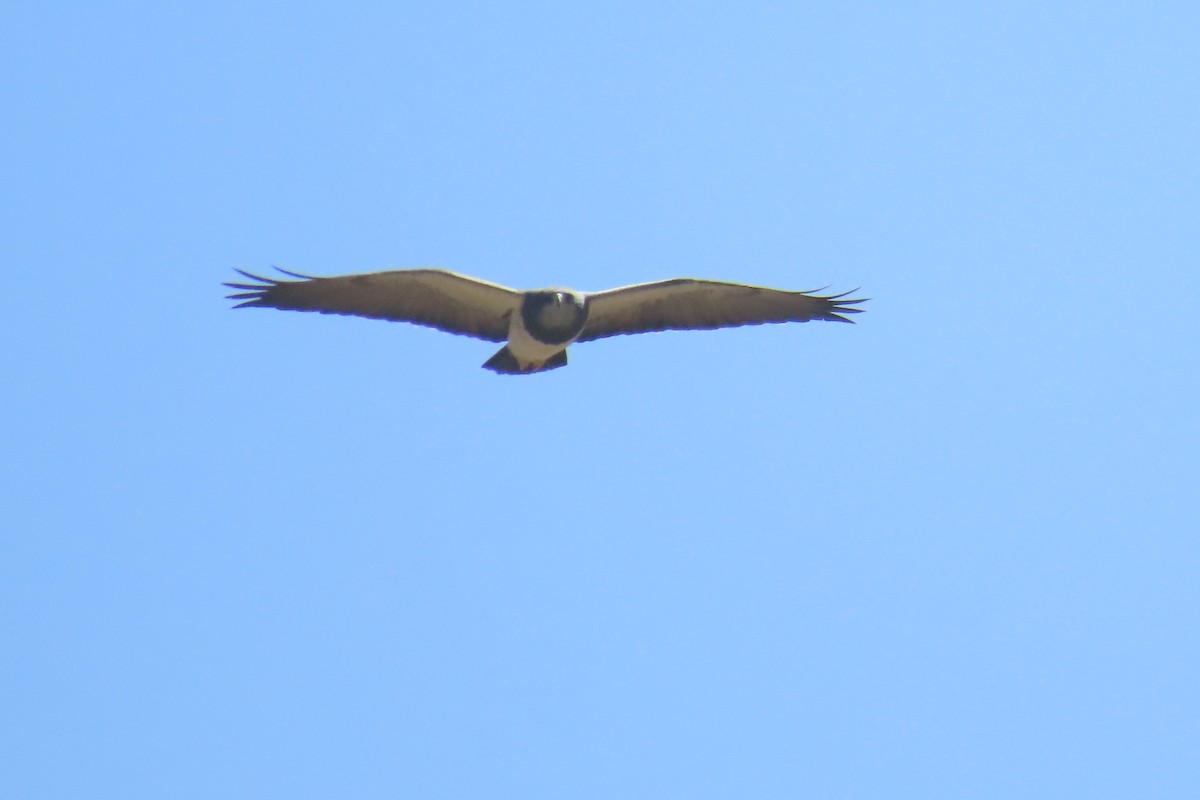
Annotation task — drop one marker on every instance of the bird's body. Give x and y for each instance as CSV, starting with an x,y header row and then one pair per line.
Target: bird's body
x,y
538,326
544,325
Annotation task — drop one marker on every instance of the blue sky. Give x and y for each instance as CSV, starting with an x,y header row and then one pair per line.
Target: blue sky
x,y
950,551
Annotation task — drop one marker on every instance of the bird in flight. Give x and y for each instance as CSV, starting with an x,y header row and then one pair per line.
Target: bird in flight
x,y
537,326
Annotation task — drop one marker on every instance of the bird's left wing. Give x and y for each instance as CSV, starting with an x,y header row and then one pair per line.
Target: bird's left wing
x,y
436,298
691,304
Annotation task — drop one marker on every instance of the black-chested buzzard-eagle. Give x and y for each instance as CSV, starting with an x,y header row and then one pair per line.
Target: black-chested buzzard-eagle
x,y
537,326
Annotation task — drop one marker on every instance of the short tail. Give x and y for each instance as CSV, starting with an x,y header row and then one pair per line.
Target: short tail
x,y
505,363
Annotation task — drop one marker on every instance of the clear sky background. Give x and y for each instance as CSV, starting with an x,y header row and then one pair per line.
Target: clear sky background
x,y
950,551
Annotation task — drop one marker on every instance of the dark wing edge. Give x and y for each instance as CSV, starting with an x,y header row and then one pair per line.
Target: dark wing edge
x,y
435,298
254,294
653,313
838,304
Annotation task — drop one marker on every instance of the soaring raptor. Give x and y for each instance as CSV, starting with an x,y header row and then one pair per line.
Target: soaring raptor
x,y
537,326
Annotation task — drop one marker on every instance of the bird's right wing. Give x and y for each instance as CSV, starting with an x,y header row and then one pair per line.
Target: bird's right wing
x,y
691,304
436,298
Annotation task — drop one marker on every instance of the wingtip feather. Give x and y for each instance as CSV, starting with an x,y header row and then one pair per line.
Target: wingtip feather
x,y
295,274
253,277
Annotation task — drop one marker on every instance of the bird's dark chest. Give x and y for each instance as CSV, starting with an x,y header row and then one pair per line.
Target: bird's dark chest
x,y
552,318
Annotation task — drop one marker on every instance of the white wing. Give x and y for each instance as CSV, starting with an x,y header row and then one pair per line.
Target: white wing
x,y
436,298
690,304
